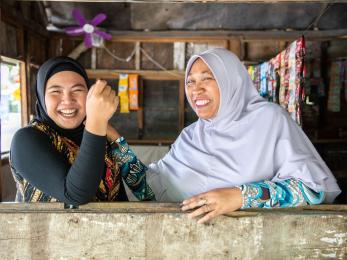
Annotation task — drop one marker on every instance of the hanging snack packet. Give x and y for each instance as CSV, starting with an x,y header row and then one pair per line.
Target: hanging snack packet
x,y
123,93
133,92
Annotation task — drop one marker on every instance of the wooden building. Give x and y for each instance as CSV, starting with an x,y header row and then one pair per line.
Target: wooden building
x,y
154,40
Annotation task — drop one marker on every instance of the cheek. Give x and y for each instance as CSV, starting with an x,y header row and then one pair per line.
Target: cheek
x,y
50,103
82,100
189,95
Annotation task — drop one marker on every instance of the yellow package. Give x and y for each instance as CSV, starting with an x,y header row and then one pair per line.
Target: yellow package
x,y
123,93
133,92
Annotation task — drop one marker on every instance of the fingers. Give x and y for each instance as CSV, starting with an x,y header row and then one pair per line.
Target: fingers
x,y
116,100
193,203
108,91
208,217
200,211
195,198
99,86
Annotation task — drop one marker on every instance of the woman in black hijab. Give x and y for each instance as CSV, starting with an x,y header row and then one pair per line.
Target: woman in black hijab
x,y
69,153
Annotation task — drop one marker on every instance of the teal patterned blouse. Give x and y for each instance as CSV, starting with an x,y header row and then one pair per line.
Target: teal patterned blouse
x,y
133,171
288,193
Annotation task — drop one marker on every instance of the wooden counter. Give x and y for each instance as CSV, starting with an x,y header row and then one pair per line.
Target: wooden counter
x,y
160,230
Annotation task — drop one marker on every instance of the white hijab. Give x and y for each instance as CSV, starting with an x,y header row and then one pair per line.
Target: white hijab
x,y
249,140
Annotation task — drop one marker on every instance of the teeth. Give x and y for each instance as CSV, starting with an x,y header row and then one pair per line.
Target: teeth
x,y
201,102
68,112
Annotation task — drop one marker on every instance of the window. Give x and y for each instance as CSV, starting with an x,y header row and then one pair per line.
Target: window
x,y
11,101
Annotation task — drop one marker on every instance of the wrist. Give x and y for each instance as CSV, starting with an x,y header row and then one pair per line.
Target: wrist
x,y
242,199
238,190
97,127
112,134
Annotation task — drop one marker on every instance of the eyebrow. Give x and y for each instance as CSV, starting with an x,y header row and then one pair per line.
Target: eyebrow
x,y
206,71
74,86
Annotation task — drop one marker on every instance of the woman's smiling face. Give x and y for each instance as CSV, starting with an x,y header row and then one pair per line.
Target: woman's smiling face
x,y
202,90
65,99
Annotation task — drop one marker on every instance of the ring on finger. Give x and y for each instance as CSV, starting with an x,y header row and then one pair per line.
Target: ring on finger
x,y
202,202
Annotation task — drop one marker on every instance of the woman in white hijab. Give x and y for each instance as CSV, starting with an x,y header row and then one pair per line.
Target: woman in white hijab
x,y
242,152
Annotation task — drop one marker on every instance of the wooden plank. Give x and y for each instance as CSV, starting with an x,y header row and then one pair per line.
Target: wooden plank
x,y
25,95
207,36
161,231
158,207
145,74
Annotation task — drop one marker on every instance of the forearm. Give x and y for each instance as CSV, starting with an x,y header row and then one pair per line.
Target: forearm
x,y
288,193
133,171
86,172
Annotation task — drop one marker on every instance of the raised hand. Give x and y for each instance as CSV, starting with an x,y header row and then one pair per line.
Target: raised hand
x,y
101,104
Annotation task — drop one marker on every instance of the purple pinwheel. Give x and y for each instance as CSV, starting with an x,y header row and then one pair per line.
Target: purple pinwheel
x,y
87,28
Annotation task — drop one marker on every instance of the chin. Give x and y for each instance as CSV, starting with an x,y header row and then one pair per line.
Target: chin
x,y
69,125
203,117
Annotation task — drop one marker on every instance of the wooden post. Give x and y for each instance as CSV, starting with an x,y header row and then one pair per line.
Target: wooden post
x,y
179,55
140,116
24,90
139,112
138,56
93,61
243,52
235,46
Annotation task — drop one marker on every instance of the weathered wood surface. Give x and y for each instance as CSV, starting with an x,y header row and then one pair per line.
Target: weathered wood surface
x,y
158,231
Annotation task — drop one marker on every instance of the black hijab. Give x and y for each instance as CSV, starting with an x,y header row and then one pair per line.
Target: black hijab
x,y
47,70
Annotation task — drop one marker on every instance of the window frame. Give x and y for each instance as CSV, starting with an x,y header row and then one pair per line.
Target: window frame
x,y
24,98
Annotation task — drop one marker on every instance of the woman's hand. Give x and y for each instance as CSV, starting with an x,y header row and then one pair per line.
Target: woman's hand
x,y
101,104
213,203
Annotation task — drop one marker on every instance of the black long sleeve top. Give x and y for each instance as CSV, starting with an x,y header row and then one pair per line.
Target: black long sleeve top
x,y
34,158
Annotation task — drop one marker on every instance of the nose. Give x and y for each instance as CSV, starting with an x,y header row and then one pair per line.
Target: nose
x,y
197,88
67,97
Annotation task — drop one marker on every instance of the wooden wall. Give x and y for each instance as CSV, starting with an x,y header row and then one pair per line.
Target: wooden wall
x,y
24,38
